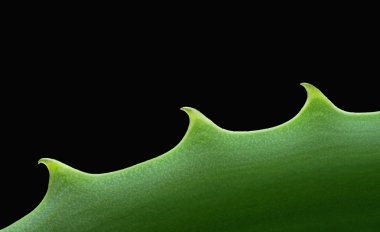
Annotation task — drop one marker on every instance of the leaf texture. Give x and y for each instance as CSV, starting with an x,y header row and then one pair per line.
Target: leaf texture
x,y
320,171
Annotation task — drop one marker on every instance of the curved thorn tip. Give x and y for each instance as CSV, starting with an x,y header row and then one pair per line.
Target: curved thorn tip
x,y
189,110
316,97
47,162
192,113
51,164
311,90
196,117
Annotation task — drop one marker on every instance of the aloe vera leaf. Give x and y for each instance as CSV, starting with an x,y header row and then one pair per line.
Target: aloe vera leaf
x,y
320,171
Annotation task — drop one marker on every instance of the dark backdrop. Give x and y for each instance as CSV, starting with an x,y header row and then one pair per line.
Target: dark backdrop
x,y
102,98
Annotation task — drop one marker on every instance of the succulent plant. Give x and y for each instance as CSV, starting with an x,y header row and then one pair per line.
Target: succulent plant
x,y
320,171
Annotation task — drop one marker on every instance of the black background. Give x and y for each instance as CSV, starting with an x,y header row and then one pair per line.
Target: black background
x,y
103,95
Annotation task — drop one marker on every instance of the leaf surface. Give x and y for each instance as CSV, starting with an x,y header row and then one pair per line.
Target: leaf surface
x,y
320,171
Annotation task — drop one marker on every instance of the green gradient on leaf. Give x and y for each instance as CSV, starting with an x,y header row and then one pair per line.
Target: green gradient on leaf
x,y
320,171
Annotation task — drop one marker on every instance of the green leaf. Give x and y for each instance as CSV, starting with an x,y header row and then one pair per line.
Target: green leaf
x,y
320,171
